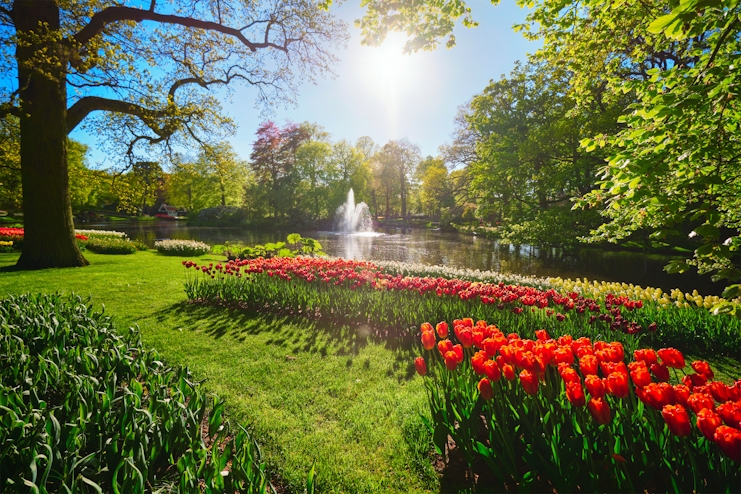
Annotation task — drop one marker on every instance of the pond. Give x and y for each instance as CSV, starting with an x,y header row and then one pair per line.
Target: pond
x,y
446,248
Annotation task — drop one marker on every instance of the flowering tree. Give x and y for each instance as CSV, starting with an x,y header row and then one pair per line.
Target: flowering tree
x,y
142,76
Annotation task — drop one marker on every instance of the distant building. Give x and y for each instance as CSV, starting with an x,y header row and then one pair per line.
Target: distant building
x,y
170,211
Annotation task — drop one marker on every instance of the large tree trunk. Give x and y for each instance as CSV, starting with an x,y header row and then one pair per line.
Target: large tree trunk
x,y
49,231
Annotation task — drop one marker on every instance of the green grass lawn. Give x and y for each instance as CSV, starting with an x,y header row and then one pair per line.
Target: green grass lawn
x,y
310,392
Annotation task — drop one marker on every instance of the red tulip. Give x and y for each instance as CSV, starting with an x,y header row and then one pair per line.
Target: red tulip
x,y
478,361
681,394
491,370
426,327
694,380
698,401
487,392
575,394
563,355
420,365
588,365
542,335
656,395
451,360
719,391
617,385
729,441
465,335
458,350
600,410
677,419
707,422
660,371
529,382
639,373
428,340
672,357
569,375
595,386
702,367
730,412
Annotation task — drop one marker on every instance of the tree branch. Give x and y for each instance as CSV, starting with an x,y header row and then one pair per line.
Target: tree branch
x,y
109,15
8,109
84,106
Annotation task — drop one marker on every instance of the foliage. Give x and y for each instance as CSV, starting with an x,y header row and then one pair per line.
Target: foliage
x,y
436,190
84,407
110,245
302,246
537,430
228,215
181,247
101,233
6,245
524,161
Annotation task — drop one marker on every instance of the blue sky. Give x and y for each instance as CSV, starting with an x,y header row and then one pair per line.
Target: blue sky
x,y
379,92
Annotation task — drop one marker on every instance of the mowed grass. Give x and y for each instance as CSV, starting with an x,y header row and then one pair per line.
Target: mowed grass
x,y
312,393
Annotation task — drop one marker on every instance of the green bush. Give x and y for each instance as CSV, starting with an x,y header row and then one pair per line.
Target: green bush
x,y
110,246
139,245
86,409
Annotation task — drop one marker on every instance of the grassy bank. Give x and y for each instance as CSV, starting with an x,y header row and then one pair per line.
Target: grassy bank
x,y
328,394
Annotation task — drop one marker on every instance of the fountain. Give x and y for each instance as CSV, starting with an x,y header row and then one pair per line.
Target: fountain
x,y
351,218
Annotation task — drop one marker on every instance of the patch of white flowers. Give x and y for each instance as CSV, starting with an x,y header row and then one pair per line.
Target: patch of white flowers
x,y
101,233
182,247
424,270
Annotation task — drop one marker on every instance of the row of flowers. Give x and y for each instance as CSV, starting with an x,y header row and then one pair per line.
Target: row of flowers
x,y
363,291
558,403
17,234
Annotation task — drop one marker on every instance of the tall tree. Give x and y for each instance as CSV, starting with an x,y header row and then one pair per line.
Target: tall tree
x,y
400,158
149,69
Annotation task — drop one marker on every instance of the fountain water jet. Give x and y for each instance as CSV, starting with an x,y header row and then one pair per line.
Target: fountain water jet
x,y
353,218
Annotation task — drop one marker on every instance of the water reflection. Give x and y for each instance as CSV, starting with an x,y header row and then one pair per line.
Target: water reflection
x,y
448,249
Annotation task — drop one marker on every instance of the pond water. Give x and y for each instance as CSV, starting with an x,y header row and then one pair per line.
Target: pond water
x,y
445,248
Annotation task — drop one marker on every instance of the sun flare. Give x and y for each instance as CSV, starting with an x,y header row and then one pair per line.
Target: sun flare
x,y
387,69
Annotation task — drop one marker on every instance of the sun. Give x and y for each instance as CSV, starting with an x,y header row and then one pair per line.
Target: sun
x,y
387,70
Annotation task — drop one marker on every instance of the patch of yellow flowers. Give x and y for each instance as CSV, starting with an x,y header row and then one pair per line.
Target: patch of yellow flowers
x,y
598,290
4,243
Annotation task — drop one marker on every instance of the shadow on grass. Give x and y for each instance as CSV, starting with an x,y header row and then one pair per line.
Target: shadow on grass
x,y
295,333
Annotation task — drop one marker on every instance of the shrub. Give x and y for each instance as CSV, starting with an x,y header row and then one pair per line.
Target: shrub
x,y
110,246
86,409
181,247
139,245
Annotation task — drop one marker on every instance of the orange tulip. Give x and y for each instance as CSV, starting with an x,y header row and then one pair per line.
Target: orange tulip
x,y
442,329
428,340
487,392
451,360
529,382
458,350
420,365
444,347
600,410
588,365
729,441
639,374
542,335
508,372
677,419
707,422
478,361
426,327
568,374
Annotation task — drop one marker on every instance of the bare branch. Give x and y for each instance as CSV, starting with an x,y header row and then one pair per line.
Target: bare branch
x,y
111,15
9,109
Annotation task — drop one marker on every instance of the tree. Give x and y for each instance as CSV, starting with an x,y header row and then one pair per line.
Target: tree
x,y
313,160
149,70
436,192
398,161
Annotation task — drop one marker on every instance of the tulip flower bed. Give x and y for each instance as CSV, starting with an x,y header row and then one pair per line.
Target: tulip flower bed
x,y
568,414
16,235
360,291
